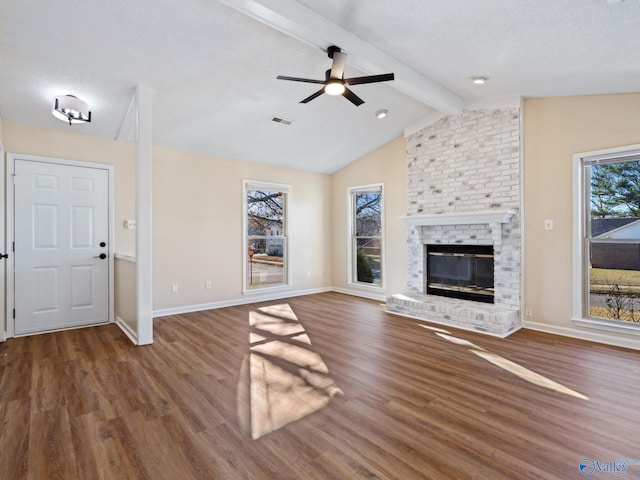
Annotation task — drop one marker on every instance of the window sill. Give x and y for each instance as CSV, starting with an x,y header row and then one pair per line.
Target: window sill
x,y
611,326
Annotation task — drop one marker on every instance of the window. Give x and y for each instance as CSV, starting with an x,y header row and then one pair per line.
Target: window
x,y
366,236
608,239
266,225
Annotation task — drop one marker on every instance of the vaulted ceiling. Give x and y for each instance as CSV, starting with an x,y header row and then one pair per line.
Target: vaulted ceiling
x,y
212,66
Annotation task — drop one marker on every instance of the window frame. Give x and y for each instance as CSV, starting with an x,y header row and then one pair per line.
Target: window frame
x,y
247,185
582,240
352,238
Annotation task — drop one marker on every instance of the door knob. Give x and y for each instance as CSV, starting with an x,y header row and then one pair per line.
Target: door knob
x,y
101,256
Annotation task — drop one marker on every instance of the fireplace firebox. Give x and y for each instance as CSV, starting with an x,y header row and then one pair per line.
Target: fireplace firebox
x,y
460,271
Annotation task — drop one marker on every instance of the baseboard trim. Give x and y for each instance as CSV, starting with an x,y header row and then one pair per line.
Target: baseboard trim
x,y
584,335
237,301
128,331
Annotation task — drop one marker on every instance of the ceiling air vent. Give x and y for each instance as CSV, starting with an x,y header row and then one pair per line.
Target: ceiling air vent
x,y
281,121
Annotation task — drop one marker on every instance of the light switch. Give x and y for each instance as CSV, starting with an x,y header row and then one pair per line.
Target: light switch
x,y
129,224
548,224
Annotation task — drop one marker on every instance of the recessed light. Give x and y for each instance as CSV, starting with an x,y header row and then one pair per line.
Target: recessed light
x,y
479,79
382,113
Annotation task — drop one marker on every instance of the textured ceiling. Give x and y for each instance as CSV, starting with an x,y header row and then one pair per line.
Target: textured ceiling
x,y
212,68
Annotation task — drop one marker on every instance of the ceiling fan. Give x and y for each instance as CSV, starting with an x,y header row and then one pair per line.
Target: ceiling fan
x,y
335,83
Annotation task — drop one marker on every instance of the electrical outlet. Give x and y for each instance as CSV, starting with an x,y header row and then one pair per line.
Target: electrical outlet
x,y
207,284
129,224
548,224
528,312
174,288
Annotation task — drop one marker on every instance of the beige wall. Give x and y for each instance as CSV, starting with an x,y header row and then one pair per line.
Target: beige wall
x,y
197,224
554,130
387,165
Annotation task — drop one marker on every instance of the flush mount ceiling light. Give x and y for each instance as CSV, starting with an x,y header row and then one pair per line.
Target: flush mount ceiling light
x,y
69,108
382,113
479,79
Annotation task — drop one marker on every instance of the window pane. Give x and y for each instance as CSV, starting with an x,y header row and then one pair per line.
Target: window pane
x,y
266,261
368,255
614,282
367,211
367,236
265,212
615,190
266,237
614,267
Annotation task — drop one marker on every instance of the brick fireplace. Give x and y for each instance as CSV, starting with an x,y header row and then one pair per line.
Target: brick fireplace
x,y
464,189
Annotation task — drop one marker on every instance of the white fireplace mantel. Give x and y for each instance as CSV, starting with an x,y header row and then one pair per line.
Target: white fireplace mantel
x,y
461,218
494,218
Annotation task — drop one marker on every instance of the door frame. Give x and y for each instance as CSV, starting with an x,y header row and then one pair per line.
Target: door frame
x,y
4,270
10,215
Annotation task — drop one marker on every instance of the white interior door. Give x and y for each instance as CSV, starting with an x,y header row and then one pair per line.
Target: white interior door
x,y
61,235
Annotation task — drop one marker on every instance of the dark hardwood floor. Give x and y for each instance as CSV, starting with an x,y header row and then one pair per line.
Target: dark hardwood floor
x,y
87,404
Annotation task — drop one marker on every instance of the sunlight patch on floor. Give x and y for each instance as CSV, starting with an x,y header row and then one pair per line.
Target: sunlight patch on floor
x,y
459,341
281,379
527,374
512,367
435,329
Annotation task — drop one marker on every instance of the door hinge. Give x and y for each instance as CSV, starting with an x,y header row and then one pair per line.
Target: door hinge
x,y
13,246
14,313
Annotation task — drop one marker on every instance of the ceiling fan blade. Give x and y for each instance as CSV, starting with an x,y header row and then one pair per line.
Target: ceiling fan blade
x,y
311,97
352,97
297,79
385,77
337,67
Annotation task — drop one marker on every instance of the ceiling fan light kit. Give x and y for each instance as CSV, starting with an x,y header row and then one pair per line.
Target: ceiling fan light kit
x,y
334,88
335,83
70,108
